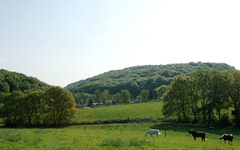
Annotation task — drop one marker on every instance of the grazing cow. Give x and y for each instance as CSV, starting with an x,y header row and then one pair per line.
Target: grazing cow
x,y
228,137
153,131
190,132
196,134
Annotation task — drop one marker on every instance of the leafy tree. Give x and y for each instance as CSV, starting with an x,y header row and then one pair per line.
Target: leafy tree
x,y
83,98
176,101
194,97
35,108
117,99
219,94
99,96
144,95
105,96
161,91
125,96
90,102
61,106
235,96
201,88
13,109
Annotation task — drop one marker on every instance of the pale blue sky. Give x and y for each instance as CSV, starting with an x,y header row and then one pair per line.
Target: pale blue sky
x,y
60,42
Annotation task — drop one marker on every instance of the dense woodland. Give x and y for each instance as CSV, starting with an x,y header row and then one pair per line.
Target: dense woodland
x,y
12,81
26,101
140,81
209,96
195,91
55,107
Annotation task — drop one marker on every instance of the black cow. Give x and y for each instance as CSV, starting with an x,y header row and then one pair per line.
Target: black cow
x,y
196,134
228,137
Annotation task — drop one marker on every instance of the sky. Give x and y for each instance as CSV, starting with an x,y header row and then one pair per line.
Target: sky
x,y
64,41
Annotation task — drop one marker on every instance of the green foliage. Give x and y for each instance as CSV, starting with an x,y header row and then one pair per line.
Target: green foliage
x,y
144,95
116,99
83,98
219,92
35,108
235,96
54,107
200,92
177,99
90,103
13,108
61,106
161,91
125,96
135,79
205,95
11,81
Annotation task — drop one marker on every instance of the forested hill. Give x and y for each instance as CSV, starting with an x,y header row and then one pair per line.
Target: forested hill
x,y
11,81
137,78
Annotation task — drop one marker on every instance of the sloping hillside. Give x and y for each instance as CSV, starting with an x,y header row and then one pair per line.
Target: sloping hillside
x,y
137,78
10,81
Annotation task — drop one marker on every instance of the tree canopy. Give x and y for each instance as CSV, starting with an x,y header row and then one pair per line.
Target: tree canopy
x,y
136,79
12,81
204,95
54,107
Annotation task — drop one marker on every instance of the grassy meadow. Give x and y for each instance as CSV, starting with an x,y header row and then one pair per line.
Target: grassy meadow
x,y
115,136
112,136
138,110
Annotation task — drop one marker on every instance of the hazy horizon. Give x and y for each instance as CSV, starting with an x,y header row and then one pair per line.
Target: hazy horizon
x,y
61,42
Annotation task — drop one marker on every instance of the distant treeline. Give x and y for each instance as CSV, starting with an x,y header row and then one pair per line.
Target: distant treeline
x,y
54,107
12,81
141,82
209,96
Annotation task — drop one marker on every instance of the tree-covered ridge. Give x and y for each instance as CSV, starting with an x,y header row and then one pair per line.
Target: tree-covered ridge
x,y
12,81
138,78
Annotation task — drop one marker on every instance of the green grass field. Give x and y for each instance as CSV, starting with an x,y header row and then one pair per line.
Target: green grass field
x,y
112,136
138,110
115,136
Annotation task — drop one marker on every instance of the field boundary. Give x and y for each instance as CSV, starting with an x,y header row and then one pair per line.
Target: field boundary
x,y
135,120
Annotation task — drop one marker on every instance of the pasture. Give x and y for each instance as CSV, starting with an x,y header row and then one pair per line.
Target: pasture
x,y
116,112
113,136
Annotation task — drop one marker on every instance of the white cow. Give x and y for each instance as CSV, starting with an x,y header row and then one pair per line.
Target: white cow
x,y
152,131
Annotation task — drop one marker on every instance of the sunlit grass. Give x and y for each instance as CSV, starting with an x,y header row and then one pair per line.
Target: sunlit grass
x,y
112,136
124,111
